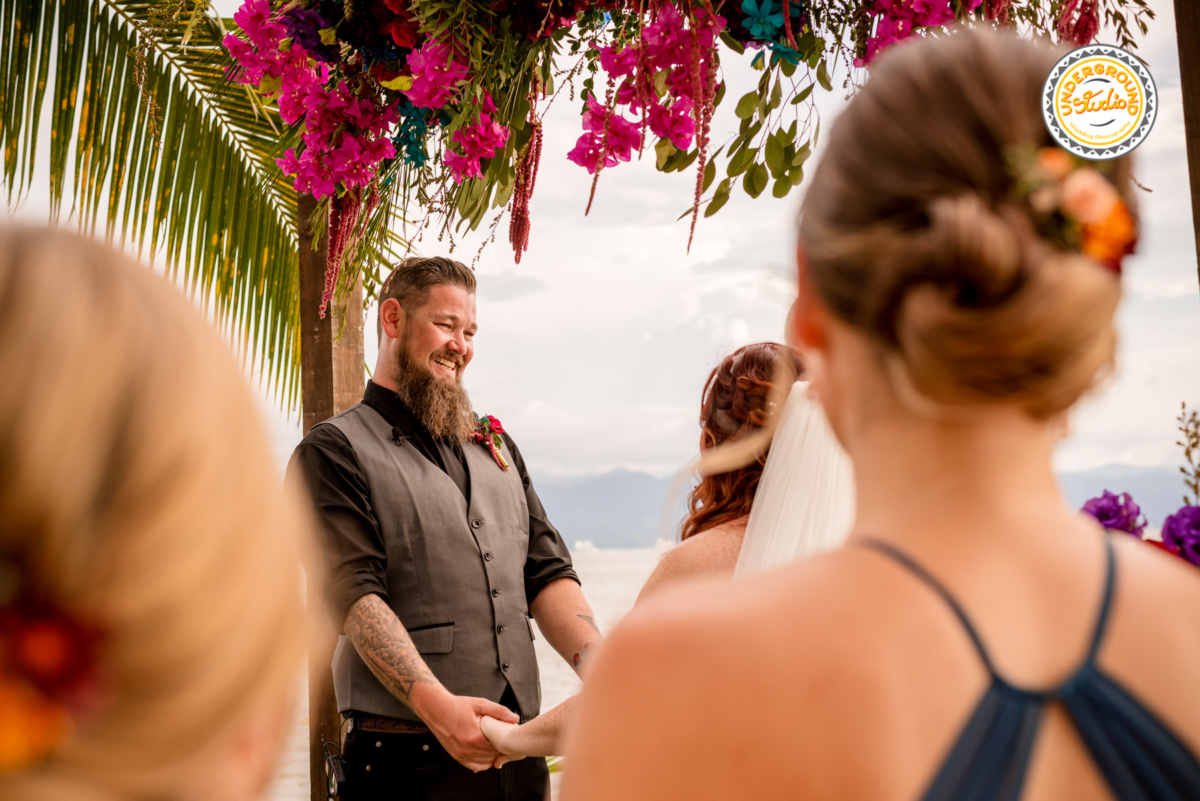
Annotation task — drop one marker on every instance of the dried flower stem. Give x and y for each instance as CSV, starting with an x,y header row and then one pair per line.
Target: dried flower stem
x,y
1189,429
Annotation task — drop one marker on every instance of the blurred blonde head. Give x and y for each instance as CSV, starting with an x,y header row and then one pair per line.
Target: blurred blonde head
x,y
137,492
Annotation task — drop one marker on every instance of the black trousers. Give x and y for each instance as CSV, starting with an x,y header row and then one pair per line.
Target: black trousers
x,y
415,767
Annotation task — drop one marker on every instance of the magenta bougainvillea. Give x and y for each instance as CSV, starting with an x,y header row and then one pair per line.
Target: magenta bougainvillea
x,y
442,103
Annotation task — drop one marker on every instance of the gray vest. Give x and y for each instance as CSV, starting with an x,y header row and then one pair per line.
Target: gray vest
x,y
455,573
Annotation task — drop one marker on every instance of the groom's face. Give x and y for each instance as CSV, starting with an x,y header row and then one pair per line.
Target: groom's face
x,y
439,335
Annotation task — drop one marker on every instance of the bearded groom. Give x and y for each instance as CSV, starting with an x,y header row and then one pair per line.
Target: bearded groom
x,y
439,554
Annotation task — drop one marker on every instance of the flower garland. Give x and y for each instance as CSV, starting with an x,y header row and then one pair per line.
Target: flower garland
x,y
442,101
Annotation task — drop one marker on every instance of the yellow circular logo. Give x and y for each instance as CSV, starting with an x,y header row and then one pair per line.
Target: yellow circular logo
x,y
1099,102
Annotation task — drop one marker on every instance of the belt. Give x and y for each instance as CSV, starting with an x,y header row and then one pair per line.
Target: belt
x,y
386,725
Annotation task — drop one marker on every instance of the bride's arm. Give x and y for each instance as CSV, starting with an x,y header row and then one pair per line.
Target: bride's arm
x,y
541,736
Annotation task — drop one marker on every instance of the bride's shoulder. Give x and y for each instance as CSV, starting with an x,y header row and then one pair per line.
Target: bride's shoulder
x,y
805,606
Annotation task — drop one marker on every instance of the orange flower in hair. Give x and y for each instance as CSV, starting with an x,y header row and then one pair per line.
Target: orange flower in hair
x,y
1073,204
47,674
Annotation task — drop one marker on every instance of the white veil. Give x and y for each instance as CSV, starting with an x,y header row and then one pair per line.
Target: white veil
x,y
805,499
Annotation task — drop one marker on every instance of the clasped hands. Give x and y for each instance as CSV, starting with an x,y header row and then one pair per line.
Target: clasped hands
x,y
472,730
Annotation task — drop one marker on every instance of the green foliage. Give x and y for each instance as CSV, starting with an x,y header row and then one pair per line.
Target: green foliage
x,y
185,170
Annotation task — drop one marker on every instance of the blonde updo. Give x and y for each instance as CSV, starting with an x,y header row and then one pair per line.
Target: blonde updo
x,y
913,235
138,493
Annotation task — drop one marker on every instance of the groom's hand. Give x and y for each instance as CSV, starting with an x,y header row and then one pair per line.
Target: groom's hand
x,y
454,720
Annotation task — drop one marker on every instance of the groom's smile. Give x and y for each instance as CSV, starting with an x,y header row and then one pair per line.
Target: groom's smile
x,y
439,334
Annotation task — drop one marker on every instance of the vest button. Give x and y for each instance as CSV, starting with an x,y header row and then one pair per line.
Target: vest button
x,y
488,556
504,667
495,593
499,629
476,523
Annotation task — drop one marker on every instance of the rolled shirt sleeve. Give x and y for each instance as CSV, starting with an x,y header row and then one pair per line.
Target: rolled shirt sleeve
x,y
349,535
548,559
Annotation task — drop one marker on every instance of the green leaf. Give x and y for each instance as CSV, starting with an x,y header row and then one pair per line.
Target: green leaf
x,y
823,77
660,82
755,180
710,174
782,186
740,161
663,150
746,105
806,42
717,202
732,44
719,95
759,61
801,155
774,156
787,68
796,175
803,94
683,161
776,96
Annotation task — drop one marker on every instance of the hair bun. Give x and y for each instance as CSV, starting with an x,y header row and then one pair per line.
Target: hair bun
x,y
910,234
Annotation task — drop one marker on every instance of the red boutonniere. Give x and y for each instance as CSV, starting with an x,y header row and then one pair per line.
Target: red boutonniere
x,y
487,432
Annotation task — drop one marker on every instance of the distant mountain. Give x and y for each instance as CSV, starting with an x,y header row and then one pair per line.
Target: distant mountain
x,y
624,509
620,509
1158,490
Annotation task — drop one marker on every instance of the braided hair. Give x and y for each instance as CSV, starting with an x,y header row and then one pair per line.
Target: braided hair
x,y
734,405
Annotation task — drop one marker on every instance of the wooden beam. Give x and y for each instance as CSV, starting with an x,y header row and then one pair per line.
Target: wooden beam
x,y
1187,35
331,381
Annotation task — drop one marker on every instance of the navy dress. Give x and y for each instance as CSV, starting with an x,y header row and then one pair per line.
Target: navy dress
x,y
1139,757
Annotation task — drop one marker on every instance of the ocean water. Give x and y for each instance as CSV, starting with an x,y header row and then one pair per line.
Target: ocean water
x,y
612,578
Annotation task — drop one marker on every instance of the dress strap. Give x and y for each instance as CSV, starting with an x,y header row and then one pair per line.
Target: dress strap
x,y
909,564
1110,578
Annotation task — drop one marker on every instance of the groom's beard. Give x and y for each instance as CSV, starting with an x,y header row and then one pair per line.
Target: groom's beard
x,y
444,409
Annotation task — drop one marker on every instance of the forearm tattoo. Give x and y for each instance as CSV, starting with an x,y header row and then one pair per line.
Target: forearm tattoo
x,y
587,619
385,646
584,654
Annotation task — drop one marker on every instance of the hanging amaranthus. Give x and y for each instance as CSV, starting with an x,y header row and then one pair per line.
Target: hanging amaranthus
x,y
527,170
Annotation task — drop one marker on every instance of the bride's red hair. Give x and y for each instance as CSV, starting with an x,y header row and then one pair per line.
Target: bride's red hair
x,y
734,404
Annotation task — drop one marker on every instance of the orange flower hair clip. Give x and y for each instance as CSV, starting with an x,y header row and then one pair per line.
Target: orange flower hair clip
x,y
47,673
1074,205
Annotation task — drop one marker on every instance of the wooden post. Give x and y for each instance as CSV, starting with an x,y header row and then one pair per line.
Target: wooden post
x,y
331,381
1187,35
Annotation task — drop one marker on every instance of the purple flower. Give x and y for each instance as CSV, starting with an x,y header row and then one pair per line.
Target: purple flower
x,y
304,26
1117,513
1182,531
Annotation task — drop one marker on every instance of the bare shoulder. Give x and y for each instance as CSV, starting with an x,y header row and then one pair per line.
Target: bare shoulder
x,y
760,675
1152,643
714,552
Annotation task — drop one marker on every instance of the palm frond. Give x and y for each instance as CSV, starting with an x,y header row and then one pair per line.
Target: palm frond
x,y
204,193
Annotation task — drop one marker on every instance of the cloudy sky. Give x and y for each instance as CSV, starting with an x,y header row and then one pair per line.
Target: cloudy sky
x,y
594,349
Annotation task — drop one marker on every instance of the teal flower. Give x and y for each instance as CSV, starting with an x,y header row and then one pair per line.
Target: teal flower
x,y
764,19
785,53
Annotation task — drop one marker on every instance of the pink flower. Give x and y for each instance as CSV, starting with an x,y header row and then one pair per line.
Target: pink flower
x,y
436,74
623,138
483,138
462,167
618,64
931,13
254,17
675,123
